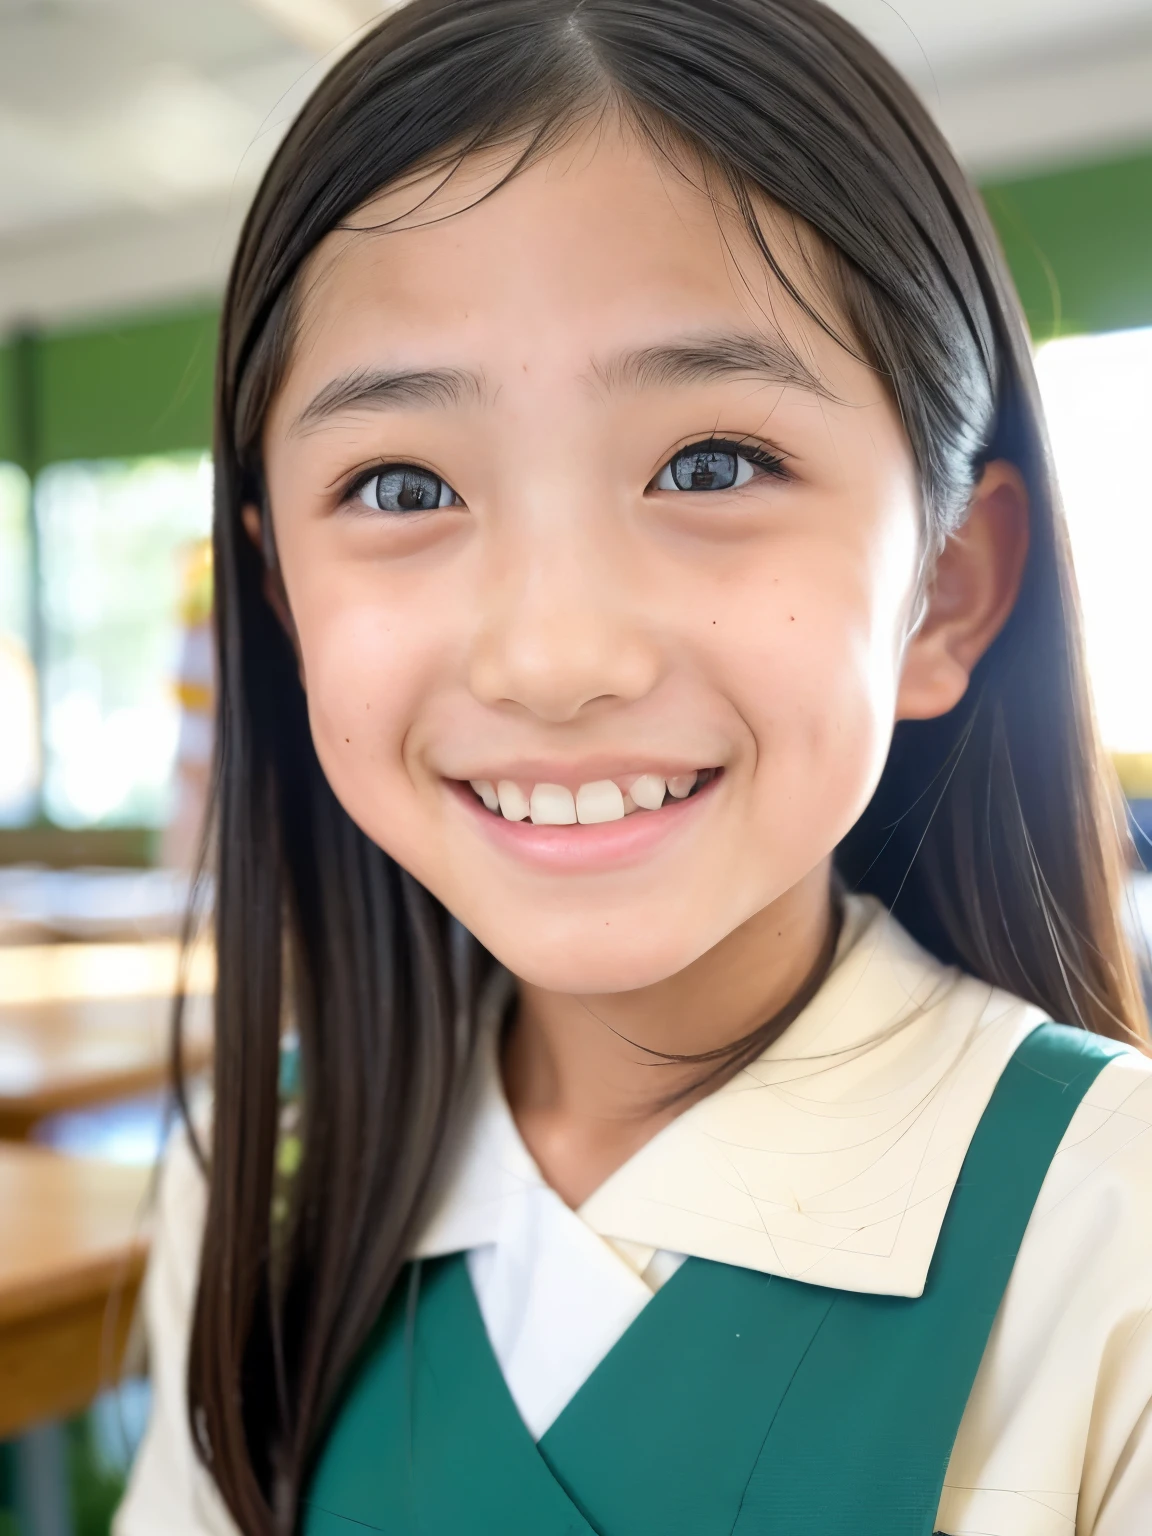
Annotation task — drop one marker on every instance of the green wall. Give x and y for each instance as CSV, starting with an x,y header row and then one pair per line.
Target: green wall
x,y
143,388
1079,243
8,447
109,391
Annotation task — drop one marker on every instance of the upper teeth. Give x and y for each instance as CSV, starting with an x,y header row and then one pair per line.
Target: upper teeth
x,y
487,792
648,791
553,805
601,801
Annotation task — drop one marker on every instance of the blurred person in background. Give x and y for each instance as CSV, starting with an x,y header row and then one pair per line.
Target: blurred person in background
x,y
195,690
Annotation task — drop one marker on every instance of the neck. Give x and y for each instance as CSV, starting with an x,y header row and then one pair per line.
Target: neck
x,y
589,1077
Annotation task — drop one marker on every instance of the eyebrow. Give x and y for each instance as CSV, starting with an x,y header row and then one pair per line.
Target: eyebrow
x,y
709,358
389,388
688,360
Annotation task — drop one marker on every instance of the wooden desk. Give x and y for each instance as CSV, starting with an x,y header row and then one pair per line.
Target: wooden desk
x,y
72,1251
82,1025
78,1053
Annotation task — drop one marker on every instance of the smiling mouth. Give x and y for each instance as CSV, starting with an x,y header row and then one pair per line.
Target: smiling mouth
x,y
603,800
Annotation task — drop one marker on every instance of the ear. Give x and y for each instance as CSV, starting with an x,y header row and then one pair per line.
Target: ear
x,y
274,592
971,593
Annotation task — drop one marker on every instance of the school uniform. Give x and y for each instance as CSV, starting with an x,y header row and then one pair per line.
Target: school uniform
x,y
895,1277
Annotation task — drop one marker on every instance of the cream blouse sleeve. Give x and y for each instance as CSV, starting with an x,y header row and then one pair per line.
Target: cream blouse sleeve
x,y
169,1491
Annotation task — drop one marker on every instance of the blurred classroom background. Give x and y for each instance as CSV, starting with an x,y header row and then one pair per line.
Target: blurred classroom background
x,y
132,133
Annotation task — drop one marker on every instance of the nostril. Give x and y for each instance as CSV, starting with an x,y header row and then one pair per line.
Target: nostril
x,y
560,665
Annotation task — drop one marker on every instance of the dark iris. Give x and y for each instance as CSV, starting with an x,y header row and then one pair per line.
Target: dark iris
x,y
405,488
704,469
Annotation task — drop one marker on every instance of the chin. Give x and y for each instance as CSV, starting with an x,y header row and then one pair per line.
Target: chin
x,y
589,960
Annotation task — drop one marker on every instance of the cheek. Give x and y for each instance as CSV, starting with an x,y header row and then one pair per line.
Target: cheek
x,y
816,680
366,668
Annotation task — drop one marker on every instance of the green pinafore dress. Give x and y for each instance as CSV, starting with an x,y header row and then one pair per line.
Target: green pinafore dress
x,y
737,1403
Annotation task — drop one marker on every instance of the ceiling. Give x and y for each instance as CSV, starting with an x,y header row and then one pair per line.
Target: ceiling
x,y
132,131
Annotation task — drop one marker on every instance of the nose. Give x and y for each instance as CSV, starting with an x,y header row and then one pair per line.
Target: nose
x,y
560,633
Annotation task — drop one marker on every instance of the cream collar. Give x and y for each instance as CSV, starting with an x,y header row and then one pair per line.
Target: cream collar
x,y
830,1159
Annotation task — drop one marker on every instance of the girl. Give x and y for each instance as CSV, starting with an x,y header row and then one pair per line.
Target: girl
x,y
657,786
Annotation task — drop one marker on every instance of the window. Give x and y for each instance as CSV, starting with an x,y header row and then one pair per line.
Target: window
x,y
20,758
1097,393
113,541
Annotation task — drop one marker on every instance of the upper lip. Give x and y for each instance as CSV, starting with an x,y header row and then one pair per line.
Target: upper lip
x,y
587,771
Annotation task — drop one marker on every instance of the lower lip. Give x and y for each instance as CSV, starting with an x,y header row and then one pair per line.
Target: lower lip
x,y
587,849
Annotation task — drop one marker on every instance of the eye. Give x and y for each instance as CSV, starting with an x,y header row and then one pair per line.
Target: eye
x,y
405,488
714,466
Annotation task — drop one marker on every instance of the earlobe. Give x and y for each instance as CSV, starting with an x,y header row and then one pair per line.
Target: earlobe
x,y
970,596
250,517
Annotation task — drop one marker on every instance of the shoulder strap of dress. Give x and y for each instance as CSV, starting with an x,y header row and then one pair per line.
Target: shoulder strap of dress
x,y
862,1441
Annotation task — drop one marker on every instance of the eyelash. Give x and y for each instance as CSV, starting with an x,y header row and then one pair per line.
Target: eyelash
x,y
755,453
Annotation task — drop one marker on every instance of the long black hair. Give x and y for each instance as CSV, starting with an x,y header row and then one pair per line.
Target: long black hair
x,y
991,833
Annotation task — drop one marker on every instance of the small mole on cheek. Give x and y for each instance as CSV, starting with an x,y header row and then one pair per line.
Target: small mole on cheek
x,y
791,618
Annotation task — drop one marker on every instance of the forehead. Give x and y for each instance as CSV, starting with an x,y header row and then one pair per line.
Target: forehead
x,y
602,244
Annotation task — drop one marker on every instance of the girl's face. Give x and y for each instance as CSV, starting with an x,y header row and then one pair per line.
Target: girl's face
x,y
572,500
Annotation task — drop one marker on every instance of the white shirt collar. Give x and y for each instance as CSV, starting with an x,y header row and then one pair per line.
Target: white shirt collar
x,y
830,1159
